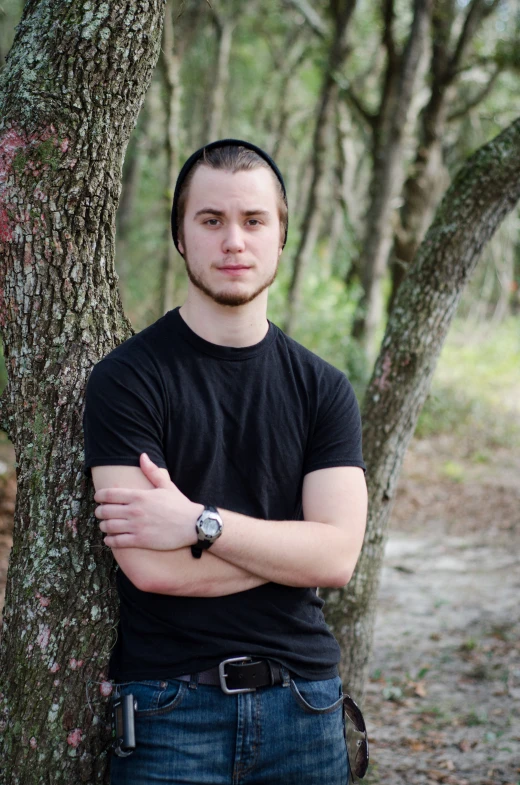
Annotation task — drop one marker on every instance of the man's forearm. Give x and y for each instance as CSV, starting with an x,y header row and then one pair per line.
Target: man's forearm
x,y
294,553
177,573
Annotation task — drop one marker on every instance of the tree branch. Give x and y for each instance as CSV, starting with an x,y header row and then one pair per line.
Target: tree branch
x,y
477,11
388,31
355,101
311,16
476,100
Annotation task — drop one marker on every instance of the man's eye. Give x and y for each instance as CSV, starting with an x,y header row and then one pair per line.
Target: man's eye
x,y
212,221
254,221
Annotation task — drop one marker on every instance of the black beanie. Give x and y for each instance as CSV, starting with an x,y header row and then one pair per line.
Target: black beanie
x,y
197,155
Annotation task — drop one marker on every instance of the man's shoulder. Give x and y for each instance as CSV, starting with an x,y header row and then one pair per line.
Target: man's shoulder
x,y
137,363
308,360
141,347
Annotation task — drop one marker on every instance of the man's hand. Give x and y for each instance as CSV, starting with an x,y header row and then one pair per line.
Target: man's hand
x,y
161,519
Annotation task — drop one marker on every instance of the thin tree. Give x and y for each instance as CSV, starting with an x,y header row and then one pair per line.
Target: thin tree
x,y
388,128
429,177
341,13
485,190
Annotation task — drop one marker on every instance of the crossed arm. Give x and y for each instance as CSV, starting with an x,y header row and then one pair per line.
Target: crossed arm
x,y
150,526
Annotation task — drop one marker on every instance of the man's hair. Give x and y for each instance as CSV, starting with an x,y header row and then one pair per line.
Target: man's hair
x,y
232,158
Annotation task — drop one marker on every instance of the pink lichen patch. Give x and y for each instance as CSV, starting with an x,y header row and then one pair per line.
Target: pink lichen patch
x,y
64,146
6,233
56,682
105,689
73,525
382,383
44,601
32,743
74,664
74,737
10,143
54,667
43,638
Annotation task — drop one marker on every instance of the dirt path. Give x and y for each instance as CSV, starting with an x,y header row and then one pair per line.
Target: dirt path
x,y
444,695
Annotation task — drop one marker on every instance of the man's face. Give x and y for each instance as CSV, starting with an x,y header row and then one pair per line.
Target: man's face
x,y
231,241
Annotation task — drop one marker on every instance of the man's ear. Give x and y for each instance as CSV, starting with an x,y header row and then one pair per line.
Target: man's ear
x,y
181,247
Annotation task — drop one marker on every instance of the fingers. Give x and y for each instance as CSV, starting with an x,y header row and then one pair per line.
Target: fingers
x,y
115,526
120,541
157,476
105,511
116,495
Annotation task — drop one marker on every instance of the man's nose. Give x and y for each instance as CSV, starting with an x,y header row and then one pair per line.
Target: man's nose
x,y
234,239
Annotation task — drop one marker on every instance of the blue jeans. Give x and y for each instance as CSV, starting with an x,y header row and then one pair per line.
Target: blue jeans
x,y
197,735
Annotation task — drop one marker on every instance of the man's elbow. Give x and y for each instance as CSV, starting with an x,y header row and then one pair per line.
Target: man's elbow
x,y
137,568
338,578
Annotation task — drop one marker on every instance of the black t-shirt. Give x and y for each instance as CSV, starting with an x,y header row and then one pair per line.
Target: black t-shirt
x,y
237,428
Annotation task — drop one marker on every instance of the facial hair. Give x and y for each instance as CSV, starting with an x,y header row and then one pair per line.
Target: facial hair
x,y
226,298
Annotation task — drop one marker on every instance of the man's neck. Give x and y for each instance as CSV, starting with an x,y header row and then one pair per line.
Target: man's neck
x,y
243,325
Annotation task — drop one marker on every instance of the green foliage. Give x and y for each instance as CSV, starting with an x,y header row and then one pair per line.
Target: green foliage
x,y
476,386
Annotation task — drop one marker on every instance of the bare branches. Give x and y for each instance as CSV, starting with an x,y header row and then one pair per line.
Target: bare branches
x,y
477,11
388,30
357,104
478,98
311,16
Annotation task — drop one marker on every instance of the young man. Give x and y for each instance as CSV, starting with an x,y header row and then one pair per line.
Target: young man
x,y
228,471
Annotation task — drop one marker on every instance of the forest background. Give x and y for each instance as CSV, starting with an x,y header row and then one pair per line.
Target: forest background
x,y
369,112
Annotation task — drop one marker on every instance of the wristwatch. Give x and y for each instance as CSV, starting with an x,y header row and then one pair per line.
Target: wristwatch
x,y
209,528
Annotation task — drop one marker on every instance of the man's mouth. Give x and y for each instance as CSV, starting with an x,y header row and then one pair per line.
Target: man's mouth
x,y
233,268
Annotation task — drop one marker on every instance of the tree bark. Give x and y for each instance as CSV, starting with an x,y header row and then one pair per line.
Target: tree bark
x,y
225,29
70,93
388,169
171,62
485,190
132,169
309,227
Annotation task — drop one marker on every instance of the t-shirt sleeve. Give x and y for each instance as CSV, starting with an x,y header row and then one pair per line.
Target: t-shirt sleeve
x,y
337,436
122,417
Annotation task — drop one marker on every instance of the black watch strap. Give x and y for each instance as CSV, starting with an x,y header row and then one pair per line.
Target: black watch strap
x,y
202,545
196,550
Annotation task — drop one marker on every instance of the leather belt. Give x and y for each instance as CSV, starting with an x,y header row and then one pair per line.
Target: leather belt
x,y
239,674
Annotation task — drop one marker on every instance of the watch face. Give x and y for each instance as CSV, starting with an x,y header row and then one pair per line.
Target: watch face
x,y
210,527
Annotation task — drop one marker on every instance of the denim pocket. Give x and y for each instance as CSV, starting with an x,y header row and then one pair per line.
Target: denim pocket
x,y
154,697
317,697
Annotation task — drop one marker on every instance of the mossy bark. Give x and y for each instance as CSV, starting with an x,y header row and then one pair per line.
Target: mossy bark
x,y
486,189
70,94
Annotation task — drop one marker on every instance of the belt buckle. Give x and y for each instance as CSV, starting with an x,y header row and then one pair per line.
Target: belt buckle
x,y
223,676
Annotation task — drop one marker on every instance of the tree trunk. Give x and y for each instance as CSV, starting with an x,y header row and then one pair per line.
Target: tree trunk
x,y
311,217
132,169
225,37
171,63
283,108
429,178
70,94
484,191
388,174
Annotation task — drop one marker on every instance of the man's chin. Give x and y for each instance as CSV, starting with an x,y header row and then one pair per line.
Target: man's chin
x,y
233,299
230,298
